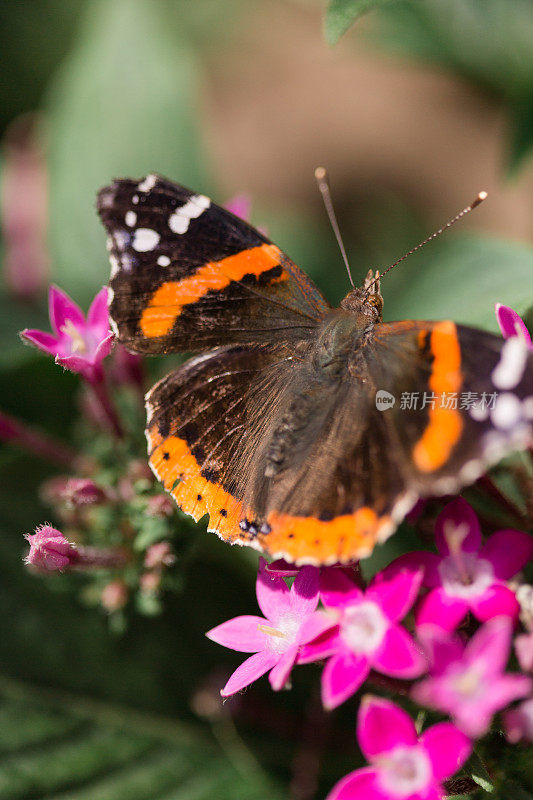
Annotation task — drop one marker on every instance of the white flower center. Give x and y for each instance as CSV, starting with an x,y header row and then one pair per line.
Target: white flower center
x,y
465,575
363,627
469,683
79,345
282,633
405,771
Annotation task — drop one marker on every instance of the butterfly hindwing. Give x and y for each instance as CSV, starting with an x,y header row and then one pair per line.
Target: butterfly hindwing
x,y
188,275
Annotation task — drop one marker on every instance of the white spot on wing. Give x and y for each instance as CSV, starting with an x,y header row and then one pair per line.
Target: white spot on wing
x,y
130,219
178,222
163,261
135,199
145,239
148,183
510,368
507,411
115,265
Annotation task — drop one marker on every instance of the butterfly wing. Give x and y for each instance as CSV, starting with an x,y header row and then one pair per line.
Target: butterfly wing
x,y
351,471
188,275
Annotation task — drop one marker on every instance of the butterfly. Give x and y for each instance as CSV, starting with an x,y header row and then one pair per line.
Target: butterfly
x,y
286,428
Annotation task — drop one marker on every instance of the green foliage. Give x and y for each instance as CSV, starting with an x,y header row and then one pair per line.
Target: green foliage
x,y
486,41
58,745
123,104
460,277
342,14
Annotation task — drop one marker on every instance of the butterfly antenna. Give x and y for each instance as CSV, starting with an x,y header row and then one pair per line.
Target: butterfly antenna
x,y
479,199
323,184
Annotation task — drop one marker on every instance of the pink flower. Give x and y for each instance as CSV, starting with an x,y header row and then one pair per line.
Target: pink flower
x,y
468,682
403,765
240,205
159,555
468,576
49,550
78,344
512,325
523,646
290,620
365,632
518,722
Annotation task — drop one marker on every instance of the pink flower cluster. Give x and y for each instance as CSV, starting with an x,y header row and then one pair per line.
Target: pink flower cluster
x,y
329,616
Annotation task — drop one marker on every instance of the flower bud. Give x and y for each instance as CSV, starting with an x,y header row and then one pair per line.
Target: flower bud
x,y
159,555
114,596
49,550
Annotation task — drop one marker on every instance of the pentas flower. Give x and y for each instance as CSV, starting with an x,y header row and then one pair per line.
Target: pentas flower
x,y
468,681
78,344
523,646
365,632
512,325
518,722
467,575
403,765
290,621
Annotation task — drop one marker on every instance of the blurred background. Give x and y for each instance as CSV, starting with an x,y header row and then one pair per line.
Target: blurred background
x,y
416,109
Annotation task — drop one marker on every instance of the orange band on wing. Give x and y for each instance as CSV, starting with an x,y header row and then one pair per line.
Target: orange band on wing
x,y
445,424
172,460
343,538
169,299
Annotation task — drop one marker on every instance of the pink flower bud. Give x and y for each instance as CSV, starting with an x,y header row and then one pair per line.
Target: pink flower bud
x,y
150,582
159,555
49,550
160,506
518,722
114,596
83,492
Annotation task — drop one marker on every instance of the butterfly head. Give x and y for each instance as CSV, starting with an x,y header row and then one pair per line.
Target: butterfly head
x,y
366,300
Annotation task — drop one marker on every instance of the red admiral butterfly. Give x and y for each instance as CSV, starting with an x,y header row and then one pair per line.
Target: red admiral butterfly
x,y
283,429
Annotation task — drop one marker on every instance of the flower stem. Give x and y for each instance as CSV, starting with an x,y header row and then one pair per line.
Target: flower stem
x,y
99,387
40,444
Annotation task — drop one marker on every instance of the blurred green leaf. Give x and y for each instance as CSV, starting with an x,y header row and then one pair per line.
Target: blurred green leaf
x,y
521,132
486,41
461,278
123,104
479,773
62,746
14,317
342,14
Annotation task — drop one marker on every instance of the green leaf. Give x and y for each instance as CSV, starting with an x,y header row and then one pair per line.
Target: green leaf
x,y
521,125
461,278
63,746
342,14
479,773
123,104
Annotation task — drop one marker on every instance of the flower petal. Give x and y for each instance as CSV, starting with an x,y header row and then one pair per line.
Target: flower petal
x,y
98,315
447,747
104,348
280,673
249,671
421,559
497,600
491,645
508,551
62,308
458,515
359,785
395,590
44,341
338,587
240,205
322,647
382,726
511,324
315,626
342,676
304,591
442,648
240,633
438,608
399,655
272,593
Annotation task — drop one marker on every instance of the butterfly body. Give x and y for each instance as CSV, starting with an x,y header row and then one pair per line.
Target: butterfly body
x,y
275,429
